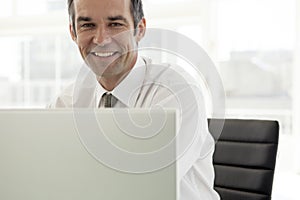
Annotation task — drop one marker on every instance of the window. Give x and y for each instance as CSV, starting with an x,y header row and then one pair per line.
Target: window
x,y
256,55
36,7
35,69
256,46
5,8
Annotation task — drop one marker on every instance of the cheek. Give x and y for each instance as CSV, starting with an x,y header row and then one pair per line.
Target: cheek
x,y
130,46
83,41
124,39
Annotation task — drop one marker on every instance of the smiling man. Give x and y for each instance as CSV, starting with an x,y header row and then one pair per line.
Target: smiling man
x,y
107,33
97,28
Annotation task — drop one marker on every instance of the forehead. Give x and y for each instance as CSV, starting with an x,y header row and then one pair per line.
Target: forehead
x,y
102,8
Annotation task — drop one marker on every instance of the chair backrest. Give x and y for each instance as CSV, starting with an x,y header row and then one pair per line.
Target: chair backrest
x,y
244,159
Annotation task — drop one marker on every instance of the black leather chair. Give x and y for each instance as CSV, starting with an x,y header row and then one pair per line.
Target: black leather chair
x,y
244,159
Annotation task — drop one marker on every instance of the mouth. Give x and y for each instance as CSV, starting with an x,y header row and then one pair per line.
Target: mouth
x,y
104,54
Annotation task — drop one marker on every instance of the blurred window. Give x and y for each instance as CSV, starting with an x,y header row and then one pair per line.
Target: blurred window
x,y
255,46
34,7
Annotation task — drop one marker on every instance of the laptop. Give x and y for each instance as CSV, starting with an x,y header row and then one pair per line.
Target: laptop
x,y
88,154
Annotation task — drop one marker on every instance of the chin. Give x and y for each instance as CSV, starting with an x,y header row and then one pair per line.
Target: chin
x,y
108,72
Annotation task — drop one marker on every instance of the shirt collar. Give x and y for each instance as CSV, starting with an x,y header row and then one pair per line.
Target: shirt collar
x,y
129,88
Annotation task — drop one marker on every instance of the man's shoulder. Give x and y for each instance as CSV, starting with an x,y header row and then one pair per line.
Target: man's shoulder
x,y
170,73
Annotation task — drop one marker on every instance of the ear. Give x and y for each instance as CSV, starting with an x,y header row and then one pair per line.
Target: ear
x,y
72,33
141,29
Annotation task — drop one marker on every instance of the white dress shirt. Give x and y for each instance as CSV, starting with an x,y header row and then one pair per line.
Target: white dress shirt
x,y
149,85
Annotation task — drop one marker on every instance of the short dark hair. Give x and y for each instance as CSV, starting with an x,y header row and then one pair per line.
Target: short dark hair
x,y
136,9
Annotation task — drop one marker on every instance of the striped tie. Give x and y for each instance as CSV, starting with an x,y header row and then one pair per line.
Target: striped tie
x,y
107,100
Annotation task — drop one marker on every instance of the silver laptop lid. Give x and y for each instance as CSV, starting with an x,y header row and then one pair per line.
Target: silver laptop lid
x,y
60,154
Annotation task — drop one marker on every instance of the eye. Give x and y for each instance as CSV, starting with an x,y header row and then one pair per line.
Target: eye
x,y
116,24
87,25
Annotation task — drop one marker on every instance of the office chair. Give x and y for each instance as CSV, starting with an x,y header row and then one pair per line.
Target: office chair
x,y
244,159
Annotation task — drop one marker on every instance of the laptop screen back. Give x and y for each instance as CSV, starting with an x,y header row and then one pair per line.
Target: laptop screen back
x,y
60,154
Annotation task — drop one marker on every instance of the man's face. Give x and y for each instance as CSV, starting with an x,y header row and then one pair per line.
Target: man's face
x,y
105,36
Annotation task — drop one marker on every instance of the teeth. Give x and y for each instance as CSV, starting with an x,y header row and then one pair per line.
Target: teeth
x,y
104,54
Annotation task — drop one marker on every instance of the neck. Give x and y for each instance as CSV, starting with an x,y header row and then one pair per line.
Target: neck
x,y
110,82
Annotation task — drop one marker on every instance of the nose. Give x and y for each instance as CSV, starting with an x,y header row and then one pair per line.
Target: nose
x,y
102,36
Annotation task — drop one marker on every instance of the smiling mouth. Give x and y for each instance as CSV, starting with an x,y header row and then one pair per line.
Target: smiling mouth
x,y
104,54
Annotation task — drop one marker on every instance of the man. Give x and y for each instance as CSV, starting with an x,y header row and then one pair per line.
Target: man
x,y
107,33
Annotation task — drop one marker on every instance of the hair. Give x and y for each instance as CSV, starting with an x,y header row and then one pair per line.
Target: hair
x,y
136,9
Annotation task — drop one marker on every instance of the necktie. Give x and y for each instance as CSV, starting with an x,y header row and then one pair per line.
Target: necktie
x,y
107,100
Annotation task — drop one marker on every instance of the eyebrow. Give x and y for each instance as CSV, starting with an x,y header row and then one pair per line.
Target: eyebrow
x,y
118,17
111,18
85,19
